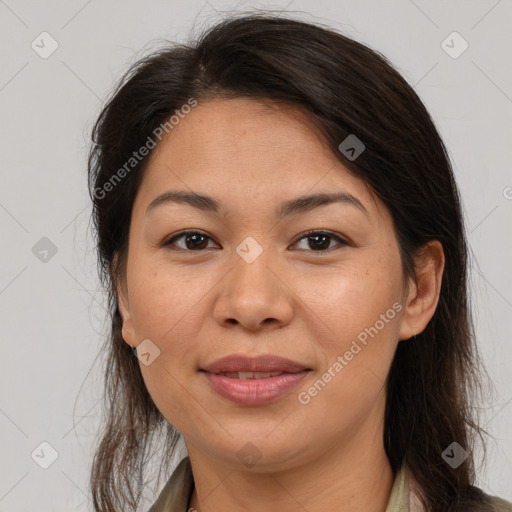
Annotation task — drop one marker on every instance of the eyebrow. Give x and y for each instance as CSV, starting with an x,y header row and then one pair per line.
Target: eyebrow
x,y
294,206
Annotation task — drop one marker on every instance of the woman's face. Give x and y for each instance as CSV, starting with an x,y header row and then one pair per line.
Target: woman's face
x,y
253,283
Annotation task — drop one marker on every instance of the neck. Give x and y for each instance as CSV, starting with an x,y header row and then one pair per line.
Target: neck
x,y
346,478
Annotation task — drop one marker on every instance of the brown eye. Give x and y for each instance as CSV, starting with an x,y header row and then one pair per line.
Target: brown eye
x,y
192,241
319,241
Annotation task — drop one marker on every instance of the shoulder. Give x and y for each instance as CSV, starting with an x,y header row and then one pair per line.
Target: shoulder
x,y
474,499
480,501
498,504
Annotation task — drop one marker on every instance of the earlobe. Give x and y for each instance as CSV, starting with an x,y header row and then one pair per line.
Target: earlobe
x,y
424,295
129,336
128,332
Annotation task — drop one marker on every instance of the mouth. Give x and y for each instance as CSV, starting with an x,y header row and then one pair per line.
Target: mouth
x,y
256,365
251,375
251,381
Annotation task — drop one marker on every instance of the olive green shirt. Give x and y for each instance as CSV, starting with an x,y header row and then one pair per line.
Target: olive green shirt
x,y
176,494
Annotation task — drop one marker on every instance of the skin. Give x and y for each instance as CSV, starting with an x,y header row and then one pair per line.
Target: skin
x,y
294,301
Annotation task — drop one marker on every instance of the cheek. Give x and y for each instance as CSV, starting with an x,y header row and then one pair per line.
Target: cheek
x,y
170,394
166,306
351,298
165,301
357,318
357,345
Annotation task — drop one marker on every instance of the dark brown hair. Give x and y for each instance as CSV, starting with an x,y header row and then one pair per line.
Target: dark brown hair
x,y
346,88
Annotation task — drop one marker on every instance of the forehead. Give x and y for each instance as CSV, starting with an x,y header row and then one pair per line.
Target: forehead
x,y
229,130
248,149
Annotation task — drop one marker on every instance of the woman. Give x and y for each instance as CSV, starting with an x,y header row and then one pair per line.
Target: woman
x,y
281,235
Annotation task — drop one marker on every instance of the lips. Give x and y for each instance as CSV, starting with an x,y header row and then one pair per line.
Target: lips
x,y
254,381
259,364
250,375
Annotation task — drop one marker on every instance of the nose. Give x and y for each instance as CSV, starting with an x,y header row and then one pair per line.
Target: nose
x,y
255,295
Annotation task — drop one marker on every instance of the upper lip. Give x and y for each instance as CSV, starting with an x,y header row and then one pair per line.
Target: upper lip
x,y
263,363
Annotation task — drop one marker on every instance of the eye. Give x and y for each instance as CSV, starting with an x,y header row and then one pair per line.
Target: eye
x,y
319,241
193,241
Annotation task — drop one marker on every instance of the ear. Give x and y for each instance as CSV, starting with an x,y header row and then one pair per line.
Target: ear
x,y
121,290
423,296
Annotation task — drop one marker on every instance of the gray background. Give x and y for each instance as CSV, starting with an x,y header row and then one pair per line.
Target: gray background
x,y
52,314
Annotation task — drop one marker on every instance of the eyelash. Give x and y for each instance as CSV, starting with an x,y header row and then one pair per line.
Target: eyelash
x,y
308,234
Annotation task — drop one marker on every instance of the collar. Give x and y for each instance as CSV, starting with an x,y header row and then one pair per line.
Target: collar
x,y
176,494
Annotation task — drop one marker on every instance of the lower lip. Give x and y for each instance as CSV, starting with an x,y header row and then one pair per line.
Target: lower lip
x,y
254,391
